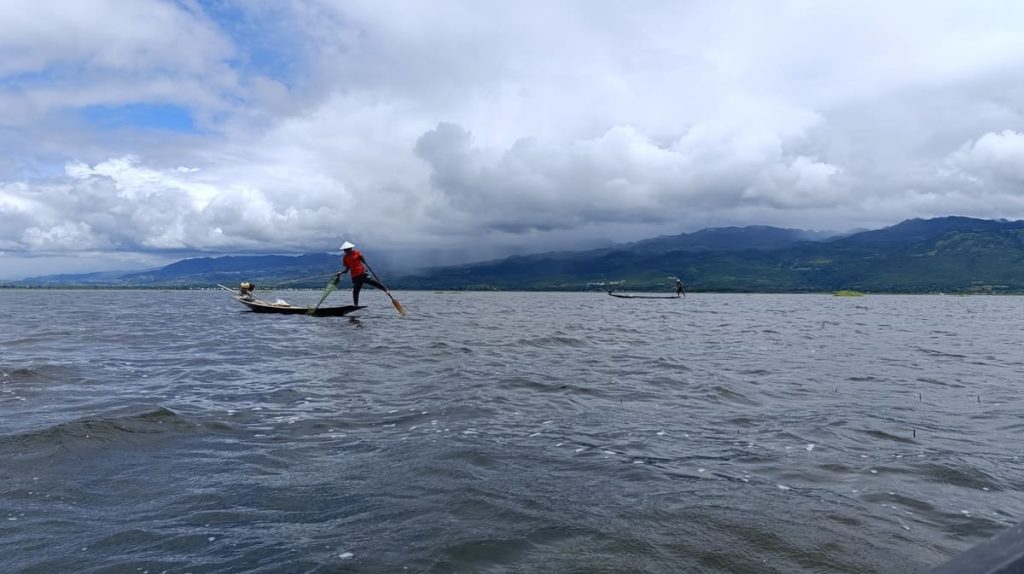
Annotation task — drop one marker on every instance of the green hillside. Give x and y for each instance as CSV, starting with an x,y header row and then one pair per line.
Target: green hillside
x,y
947,254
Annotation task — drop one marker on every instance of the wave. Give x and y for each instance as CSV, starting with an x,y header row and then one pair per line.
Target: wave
x,y
90,432
37,373
957,475
722,394
553,341
938,353
879,434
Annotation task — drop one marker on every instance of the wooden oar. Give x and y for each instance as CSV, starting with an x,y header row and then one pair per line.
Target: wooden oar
x,y
398,306
327,291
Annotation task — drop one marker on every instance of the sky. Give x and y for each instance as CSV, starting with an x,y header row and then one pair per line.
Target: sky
x,y
134,133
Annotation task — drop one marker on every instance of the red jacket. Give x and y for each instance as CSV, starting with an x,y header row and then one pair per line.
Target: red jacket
x,y
354,261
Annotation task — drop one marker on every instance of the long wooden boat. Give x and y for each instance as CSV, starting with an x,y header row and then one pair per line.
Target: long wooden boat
x,y
630,296
260,306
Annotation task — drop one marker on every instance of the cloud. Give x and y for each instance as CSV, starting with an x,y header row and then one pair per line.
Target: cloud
x,y
619,177
143,36
103,52
111,206
122,205
997,158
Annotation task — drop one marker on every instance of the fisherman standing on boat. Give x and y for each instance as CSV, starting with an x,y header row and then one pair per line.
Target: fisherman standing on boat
x,y
353,263
679,289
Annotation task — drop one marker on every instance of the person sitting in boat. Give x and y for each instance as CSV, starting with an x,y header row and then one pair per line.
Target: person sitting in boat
x,y
353,263
246,289
679,288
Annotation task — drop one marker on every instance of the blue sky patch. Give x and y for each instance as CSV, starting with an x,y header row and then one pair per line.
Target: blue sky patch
x,y
140,116
265,37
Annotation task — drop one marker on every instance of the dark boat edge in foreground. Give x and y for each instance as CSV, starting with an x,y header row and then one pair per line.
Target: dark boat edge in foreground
x,y
1003,554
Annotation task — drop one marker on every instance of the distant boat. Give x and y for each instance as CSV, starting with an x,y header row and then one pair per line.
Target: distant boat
x,y
631,296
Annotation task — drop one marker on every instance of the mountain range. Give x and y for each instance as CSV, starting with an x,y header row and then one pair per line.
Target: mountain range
x,y
947,254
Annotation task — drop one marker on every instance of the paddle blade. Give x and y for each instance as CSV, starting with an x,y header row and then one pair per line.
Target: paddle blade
x,y
398,306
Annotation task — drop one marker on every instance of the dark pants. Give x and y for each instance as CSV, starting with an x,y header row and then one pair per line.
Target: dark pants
x,y
357,286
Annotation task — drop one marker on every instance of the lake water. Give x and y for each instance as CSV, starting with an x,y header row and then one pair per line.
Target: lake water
x,y
153,431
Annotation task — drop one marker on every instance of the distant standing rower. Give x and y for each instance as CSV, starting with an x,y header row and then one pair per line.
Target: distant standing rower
x,y
353,263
